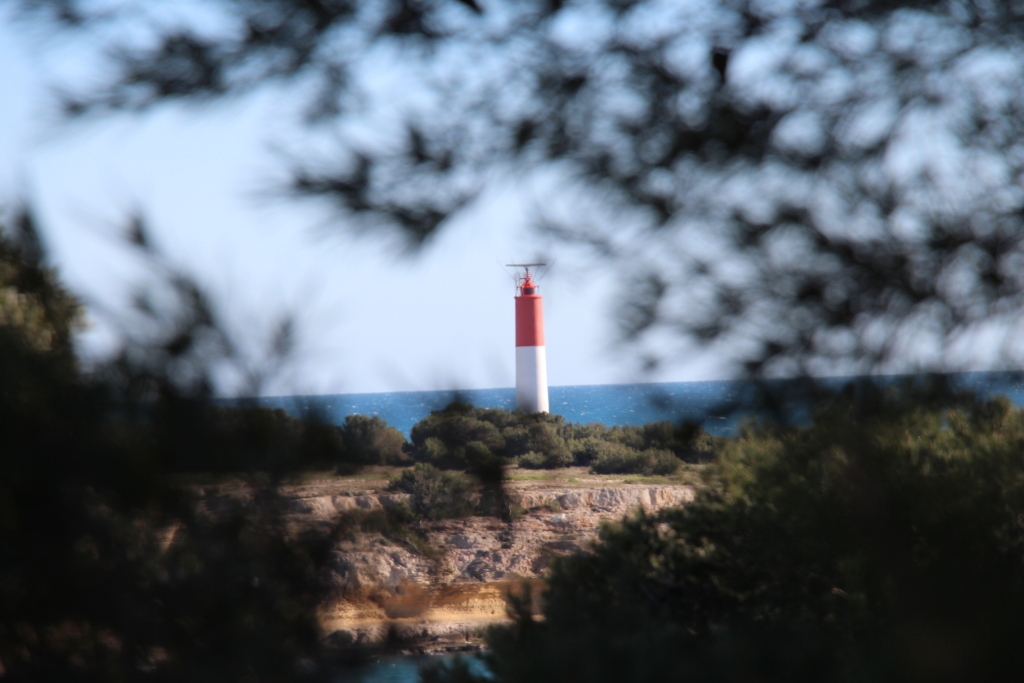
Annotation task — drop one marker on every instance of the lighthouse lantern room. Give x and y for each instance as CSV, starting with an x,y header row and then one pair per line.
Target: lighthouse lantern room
x,y
531,360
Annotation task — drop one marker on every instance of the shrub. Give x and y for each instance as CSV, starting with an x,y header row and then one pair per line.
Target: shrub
x,y
664,462
586,450
498,417
544,439
442,438
461,430
435,494
589,430
517,441
614,458
531,461
631,436
371,441
545,461
560,457
433,451
476,454
622,460
462,437
659,434
693,444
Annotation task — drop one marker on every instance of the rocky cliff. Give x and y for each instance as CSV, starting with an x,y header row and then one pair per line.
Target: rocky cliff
x,y
443,597
458,574
478,549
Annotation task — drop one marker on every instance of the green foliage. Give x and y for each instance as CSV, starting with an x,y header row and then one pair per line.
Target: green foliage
x,y
881,543
688,442
544,438
371,441
590,430
586,450
33,304
618,459
545,441
257,439
546,461
435,494
532,461
397,523
499,417
517,440
443,438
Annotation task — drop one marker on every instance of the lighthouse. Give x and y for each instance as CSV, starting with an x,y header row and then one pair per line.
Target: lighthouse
x,y
531,360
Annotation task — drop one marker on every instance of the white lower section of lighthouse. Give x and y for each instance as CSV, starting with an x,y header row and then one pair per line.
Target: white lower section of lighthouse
x,y
531,379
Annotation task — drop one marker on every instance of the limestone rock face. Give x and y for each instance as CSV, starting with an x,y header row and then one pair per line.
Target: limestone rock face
x,y
608,500
451,577
327,507
362,565
556,522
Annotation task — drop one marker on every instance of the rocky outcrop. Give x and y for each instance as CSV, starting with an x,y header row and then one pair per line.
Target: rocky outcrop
x,y
437,617
453,577
554,522
329,507
617,500
592,501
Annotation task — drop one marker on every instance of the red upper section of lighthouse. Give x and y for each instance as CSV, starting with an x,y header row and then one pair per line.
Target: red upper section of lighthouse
x,y
529,314
526,285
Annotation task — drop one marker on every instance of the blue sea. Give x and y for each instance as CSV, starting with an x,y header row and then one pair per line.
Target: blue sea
x,y
610,404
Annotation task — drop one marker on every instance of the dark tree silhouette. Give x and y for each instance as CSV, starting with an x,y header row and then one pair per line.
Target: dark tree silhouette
x,y
112,567
828,186
880,543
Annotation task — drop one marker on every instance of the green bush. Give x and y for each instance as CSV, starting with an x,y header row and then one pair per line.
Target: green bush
x,y
434,452
665,462
614,458
461,430
544,438
631,436
545,461
435,494
477,454
545,441
560,457
500,418
443,438
531,461
517,441
586,450
371,441
618,459
590,430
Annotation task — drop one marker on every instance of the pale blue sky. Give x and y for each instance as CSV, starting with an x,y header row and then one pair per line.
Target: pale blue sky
x,y
368,319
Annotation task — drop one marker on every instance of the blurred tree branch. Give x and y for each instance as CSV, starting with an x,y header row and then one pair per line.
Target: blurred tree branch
x,y
825,187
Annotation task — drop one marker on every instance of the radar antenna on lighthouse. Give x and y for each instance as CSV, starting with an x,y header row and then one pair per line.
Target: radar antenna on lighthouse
x,y
531,359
